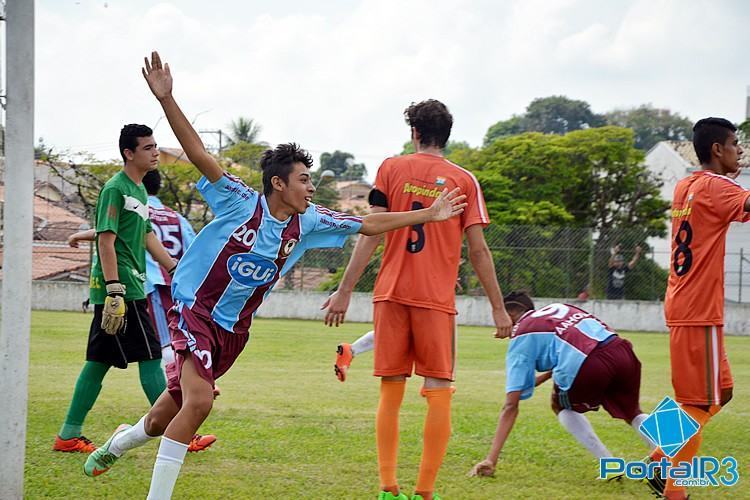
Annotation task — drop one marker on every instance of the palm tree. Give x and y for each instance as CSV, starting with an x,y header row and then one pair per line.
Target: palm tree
x,y
244,130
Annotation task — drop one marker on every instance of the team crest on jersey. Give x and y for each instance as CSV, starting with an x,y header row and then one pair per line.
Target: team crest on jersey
x,y
251,270
288,247
440,181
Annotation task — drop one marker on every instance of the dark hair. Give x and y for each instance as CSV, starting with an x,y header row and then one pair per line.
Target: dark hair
x,y
152,182
129,137
707,132
432,120
518,300
279,162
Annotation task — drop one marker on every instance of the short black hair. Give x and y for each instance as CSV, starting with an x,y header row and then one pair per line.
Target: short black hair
x,y
129,137
432,120
152,182
707,132
279,162
519,301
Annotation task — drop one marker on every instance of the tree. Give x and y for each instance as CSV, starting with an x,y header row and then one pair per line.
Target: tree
x,y
245,153
652,125
450,147
512,126
325,193
343,165
244,130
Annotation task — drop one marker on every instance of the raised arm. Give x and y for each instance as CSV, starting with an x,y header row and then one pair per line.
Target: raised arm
x,y
447,205
636,256
159,79
483,264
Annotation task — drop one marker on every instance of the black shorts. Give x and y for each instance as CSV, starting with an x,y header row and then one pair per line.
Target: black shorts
x,y
136,342
610,377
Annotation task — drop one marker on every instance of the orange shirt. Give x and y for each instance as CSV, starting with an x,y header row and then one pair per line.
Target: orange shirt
x,y
420,263
703,206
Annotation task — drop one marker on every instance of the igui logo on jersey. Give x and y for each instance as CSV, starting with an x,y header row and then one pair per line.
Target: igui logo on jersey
x,y
251,270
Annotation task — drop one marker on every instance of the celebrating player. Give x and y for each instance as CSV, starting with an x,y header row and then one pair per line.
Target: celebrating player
x,y
703,206
227,272
120,332
590,365
415,291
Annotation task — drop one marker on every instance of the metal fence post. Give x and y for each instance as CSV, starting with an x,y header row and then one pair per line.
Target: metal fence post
x,y
590,284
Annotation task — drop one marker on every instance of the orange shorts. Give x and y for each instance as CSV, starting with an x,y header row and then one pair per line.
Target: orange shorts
x,y
407,337
700,368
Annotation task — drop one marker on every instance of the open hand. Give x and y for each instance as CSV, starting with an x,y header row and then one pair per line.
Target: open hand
x,y
158,77
448,204
485,468
337,304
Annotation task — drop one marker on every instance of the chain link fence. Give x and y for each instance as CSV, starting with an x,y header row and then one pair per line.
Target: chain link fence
x,y
560,262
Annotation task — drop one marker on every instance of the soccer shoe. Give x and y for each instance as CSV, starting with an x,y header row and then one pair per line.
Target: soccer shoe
x,y
101,459
343,360
435,496
387,495
78,444
656,483
200,443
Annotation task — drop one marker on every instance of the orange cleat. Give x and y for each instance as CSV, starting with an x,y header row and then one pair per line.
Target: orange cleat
x,y
200,443
343,360
78,444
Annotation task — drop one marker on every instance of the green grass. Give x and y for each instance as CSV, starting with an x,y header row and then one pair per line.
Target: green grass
x,y
288,429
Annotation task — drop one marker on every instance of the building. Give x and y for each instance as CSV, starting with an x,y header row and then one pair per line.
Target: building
x,y
353,196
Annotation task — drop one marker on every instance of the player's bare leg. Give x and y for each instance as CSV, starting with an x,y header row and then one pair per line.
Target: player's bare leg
x,y
437,430
197,401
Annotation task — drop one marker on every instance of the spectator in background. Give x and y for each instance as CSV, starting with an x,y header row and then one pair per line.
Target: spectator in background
x,y
618,270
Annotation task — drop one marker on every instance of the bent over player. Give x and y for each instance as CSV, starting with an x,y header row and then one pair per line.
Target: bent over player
x,y
591,366
227,272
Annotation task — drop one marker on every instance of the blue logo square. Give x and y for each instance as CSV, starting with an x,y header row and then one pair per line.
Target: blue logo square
x,y
669,426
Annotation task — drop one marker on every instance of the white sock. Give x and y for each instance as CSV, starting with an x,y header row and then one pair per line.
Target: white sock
x,y
580,427
166,469
167,355
363,344
130,438
636,423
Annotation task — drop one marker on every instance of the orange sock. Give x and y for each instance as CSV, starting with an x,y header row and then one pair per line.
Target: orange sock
x,y
386,432
688,451
437,431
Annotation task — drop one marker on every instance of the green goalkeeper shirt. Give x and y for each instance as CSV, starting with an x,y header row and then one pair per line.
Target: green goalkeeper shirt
x,y
122,208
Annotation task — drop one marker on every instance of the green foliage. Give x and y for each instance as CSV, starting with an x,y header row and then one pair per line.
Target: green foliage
x,y
548,115
245,153
244,130
651,125
450,147
744,131
366,282
342,164
325,193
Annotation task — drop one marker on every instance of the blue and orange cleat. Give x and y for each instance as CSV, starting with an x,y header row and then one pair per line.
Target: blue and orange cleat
x,y
344,358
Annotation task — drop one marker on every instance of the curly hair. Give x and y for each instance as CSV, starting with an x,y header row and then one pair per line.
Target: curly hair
x,y
432,120
129,137
707,132
279,162
518,300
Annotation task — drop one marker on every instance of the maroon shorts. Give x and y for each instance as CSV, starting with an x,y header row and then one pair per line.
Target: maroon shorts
x,y
610,377
212,349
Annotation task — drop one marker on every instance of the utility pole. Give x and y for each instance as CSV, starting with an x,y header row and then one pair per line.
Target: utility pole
x,y
220,133
18,223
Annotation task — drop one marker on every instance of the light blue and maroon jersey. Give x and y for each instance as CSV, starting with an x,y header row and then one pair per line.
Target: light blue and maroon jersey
x,y
558,337
239,256
174,232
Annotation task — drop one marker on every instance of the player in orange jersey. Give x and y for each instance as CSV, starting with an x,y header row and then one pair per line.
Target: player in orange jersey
x,y
414,293
703,206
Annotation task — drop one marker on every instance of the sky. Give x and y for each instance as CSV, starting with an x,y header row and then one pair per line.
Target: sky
x,y
337,74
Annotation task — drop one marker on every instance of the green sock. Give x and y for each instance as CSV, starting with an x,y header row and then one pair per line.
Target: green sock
x,y
152,379
87,389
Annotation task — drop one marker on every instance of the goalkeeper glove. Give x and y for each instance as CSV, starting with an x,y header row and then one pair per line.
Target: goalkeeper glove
x,y
113,316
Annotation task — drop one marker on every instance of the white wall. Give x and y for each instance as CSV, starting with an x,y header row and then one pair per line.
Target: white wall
x,y
621,315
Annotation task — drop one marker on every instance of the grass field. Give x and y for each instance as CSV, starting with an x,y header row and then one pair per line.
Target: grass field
x,y
289,430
